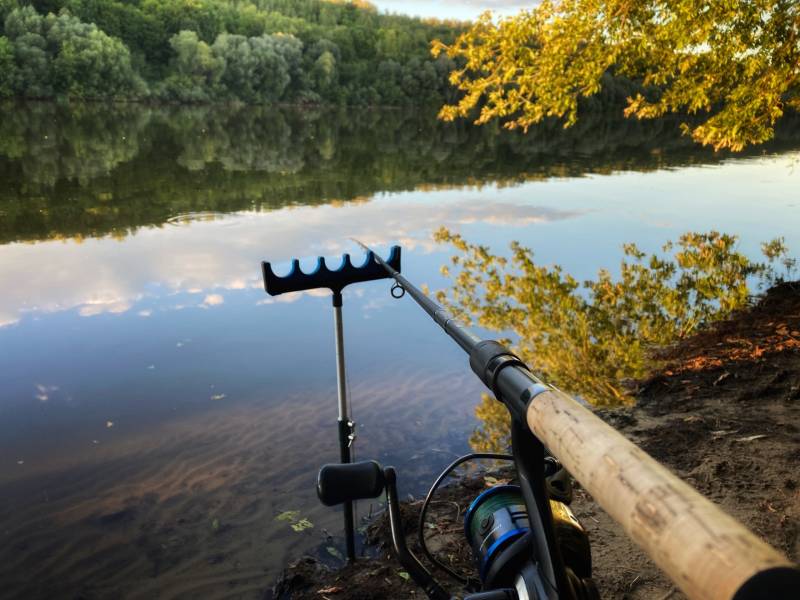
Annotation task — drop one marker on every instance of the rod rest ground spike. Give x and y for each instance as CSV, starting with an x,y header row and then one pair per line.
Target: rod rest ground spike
x,y
323,277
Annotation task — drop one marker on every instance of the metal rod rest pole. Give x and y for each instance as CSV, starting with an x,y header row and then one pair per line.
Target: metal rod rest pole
x,y
340,368
345,426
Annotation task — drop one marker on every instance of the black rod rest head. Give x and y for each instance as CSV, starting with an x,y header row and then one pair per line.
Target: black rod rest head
x,y
323,277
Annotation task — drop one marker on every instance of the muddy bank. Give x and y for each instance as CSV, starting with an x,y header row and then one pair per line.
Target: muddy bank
x,y
723,412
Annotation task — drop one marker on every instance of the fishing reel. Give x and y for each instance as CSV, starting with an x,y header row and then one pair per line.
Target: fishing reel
x,y
497,526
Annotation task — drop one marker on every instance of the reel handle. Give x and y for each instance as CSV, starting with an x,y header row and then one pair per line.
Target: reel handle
x,y
339,483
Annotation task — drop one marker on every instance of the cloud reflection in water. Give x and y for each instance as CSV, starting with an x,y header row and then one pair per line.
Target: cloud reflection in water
x,y
102,276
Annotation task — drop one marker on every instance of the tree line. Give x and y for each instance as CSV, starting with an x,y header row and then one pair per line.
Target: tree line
x,y
254,51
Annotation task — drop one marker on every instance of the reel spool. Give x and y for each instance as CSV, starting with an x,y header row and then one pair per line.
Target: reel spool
x,y
498,530
494,524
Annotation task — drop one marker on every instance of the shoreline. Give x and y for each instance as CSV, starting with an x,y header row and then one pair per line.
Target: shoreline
x,y
160,102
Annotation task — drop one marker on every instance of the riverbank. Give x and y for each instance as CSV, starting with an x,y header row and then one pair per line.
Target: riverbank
x,y
722,412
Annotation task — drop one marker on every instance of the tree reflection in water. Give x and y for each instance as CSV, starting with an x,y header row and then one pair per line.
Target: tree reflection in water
x,y
94,170
590,337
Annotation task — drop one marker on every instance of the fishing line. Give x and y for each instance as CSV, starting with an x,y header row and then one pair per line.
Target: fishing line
x,y
423,511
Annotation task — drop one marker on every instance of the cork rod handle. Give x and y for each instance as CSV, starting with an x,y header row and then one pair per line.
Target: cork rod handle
x,y
708,554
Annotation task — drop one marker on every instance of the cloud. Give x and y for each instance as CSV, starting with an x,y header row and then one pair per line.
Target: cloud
x,y
213,300
291,297
8,321
94,307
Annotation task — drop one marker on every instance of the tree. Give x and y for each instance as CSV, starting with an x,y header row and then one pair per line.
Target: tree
x,y
6,6
62,55
736,64
324,72
8,68
157,35
89,63
24,28
256,69
196,71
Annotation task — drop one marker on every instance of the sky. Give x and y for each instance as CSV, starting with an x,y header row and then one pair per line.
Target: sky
x,y
452,9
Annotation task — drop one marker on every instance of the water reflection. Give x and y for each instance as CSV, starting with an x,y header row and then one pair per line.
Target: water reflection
x,y
211,254
158,410
95,170
591,338
191,508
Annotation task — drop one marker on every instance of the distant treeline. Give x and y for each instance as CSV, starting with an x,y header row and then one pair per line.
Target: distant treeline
x,y
254,51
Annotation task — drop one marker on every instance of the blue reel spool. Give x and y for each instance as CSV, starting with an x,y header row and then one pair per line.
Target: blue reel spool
x,y
493,522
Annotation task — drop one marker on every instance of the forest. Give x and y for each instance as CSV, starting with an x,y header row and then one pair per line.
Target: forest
x,y
192,51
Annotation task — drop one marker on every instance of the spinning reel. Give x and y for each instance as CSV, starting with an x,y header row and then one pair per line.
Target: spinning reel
x,y
497,527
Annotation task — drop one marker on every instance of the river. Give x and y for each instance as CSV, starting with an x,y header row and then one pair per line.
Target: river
x,y
159,411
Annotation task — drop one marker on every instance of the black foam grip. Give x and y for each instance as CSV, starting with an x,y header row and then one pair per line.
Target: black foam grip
x,y
779,583
341,483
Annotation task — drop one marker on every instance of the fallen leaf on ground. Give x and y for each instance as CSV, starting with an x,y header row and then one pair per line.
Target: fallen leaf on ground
x,y
330,590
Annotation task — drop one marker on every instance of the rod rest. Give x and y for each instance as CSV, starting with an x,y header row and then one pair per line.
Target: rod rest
x,y
323,277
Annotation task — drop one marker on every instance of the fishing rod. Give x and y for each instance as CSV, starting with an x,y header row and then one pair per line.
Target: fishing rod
x,y
517,532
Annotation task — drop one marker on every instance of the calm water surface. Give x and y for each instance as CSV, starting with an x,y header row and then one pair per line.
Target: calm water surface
x,y
158,411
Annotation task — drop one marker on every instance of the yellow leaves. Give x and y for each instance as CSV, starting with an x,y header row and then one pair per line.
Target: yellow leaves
x,y
589,337
740,59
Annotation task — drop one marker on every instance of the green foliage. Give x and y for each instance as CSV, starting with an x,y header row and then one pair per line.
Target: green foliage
x,y
6,6
8,68
196,71
257,68
255,51
60,55
589,338
737,64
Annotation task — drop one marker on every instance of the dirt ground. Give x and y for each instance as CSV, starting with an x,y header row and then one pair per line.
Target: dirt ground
x,y
723,412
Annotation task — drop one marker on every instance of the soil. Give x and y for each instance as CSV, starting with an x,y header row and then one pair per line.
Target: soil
x,y
722,411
